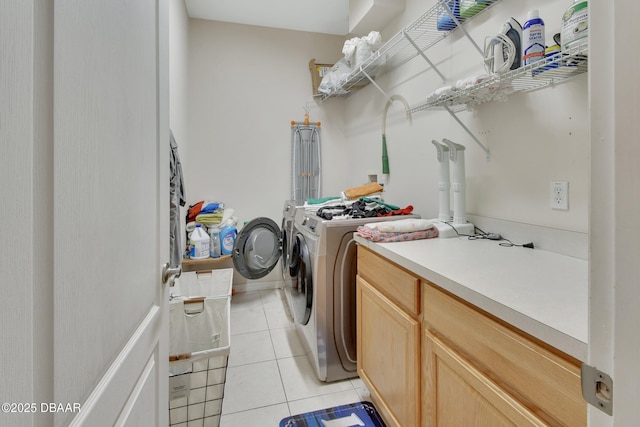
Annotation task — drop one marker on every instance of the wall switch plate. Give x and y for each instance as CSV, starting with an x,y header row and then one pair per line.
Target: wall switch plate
x,y
560,195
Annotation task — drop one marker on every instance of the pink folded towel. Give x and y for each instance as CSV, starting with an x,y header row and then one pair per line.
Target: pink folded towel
x,y
384,237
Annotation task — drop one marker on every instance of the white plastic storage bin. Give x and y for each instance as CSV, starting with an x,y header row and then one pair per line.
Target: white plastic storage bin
x,y
200,331
211,283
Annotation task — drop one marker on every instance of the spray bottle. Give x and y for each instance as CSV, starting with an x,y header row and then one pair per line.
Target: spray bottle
x,y
533,40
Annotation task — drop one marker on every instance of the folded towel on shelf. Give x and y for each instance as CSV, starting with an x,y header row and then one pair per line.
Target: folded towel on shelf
x,y
384,237
407,225
210,207
469,82
210,218
363,190
441,92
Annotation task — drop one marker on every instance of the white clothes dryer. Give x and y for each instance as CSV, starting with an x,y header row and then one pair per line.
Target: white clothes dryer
x,y
325,303
323,265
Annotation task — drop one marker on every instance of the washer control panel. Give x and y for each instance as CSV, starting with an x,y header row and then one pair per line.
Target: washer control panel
x,y
310,223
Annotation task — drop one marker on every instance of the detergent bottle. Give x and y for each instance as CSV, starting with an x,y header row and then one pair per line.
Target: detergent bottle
x,y
575,24
227,239
468,8
199,243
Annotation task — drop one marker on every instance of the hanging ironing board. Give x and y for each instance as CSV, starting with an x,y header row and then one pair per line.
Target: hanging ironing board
x,y
305,160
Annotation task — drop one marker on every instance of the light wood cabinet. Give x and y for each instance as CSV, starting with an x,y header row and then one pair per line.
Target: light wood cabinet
x,y
474,365
389,339
431,359
458,394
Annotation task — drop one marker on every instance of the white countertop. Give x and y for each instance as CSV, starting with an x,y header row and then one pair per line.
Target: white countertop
x,y
542,293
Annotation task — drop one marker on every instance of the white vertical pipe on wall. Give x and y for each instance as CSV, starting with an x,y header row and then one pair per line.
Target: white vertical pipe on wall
x,y
458,185
444,185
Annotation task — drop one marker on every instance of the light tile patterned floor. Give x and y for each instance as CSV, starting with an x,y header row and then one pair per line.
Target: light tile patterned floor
x,y
268,375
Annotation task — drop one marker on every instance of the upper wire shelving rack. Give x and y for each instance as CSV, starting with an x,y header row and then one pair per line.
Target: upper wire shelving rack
x,y
410,42
571,62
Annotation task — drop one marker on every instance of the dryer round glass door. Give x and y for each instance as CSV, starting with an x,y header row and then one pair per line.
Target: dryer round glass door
x,y
285,246
302,293
257,248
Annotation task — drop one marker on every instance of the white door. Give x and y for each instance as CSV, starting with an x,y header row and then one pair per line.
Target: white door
x,y
110,211
614,342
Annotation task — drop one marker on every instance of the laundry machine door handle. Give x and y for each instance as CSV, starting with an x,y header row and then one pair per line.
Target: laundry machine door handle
x,y
342,313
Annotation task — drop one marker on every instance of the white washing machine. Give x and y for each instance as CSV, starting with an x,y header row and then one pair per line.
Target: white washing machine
x,y
287,229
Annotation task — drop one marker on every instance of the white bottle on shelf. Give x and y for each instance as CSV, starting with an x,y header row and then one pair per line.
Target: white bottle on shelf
x,y
199,243
533,40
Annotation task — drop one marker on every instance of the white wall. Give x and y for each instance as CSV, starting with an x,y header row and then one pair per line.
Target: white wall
x,y
178,72
246,84
534,138
179,85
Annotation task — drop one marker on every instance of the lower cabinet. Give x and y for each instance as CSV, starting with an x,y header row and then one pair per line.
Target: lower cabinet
x,y
477,370
458,394
429,358
388,347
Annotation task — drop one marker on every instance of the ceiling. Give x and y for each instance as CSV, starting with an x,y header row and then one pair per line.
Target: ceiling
x,y
316,16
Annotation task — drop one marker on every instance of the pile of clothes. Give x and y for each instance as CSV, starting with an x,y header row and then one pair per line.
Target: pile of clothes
x,y
357,52
364,201
208,214
362,208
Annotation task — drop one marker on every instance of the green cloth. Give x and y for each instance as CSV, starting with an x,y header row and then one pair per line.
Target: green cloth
x,y
321,200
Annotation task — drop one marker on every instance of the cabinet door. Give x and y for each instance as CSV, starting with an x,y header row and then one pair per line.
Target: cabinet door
x,y
457,394
388,356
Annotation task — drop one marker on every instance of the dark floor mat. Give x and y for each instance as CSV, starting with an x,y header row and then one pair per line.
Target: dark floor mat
x,y
361,414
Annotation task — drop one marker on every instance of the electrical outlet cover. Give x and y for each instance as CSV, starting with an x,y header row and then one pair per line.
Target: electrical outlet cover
x,y
559,196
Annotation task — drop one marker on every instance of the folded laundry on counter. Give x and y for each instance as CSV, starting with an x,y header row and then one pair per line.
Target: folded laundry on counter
x,y
385,237
401,226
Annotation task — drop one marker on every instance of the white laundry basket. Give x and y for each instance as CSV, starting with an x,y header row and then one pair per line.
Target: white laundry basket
x,y
210,283
199,346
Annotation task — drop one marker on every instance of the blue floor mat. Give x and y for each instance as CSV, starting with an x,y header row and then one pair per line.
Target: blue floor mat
x,y
361,414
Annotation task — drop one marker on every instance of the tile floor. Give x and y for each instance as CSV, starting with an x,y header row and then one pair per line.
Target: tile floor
x,y
268,374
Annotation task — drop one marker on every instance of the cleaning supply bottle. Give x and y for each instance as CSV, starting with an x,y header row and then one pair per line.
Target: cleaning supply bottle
x,y
227,239
214,234
199,243
445,9
533,40
575,24
468,8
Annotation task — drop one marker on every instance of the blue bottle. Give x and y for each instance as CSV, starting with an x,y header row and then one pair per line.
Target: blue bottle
x,y
227,239
445,22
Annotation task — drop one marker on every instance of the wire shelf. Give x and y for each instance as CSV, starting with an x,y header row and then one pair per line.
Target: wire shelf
x,y
410,42
534,76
